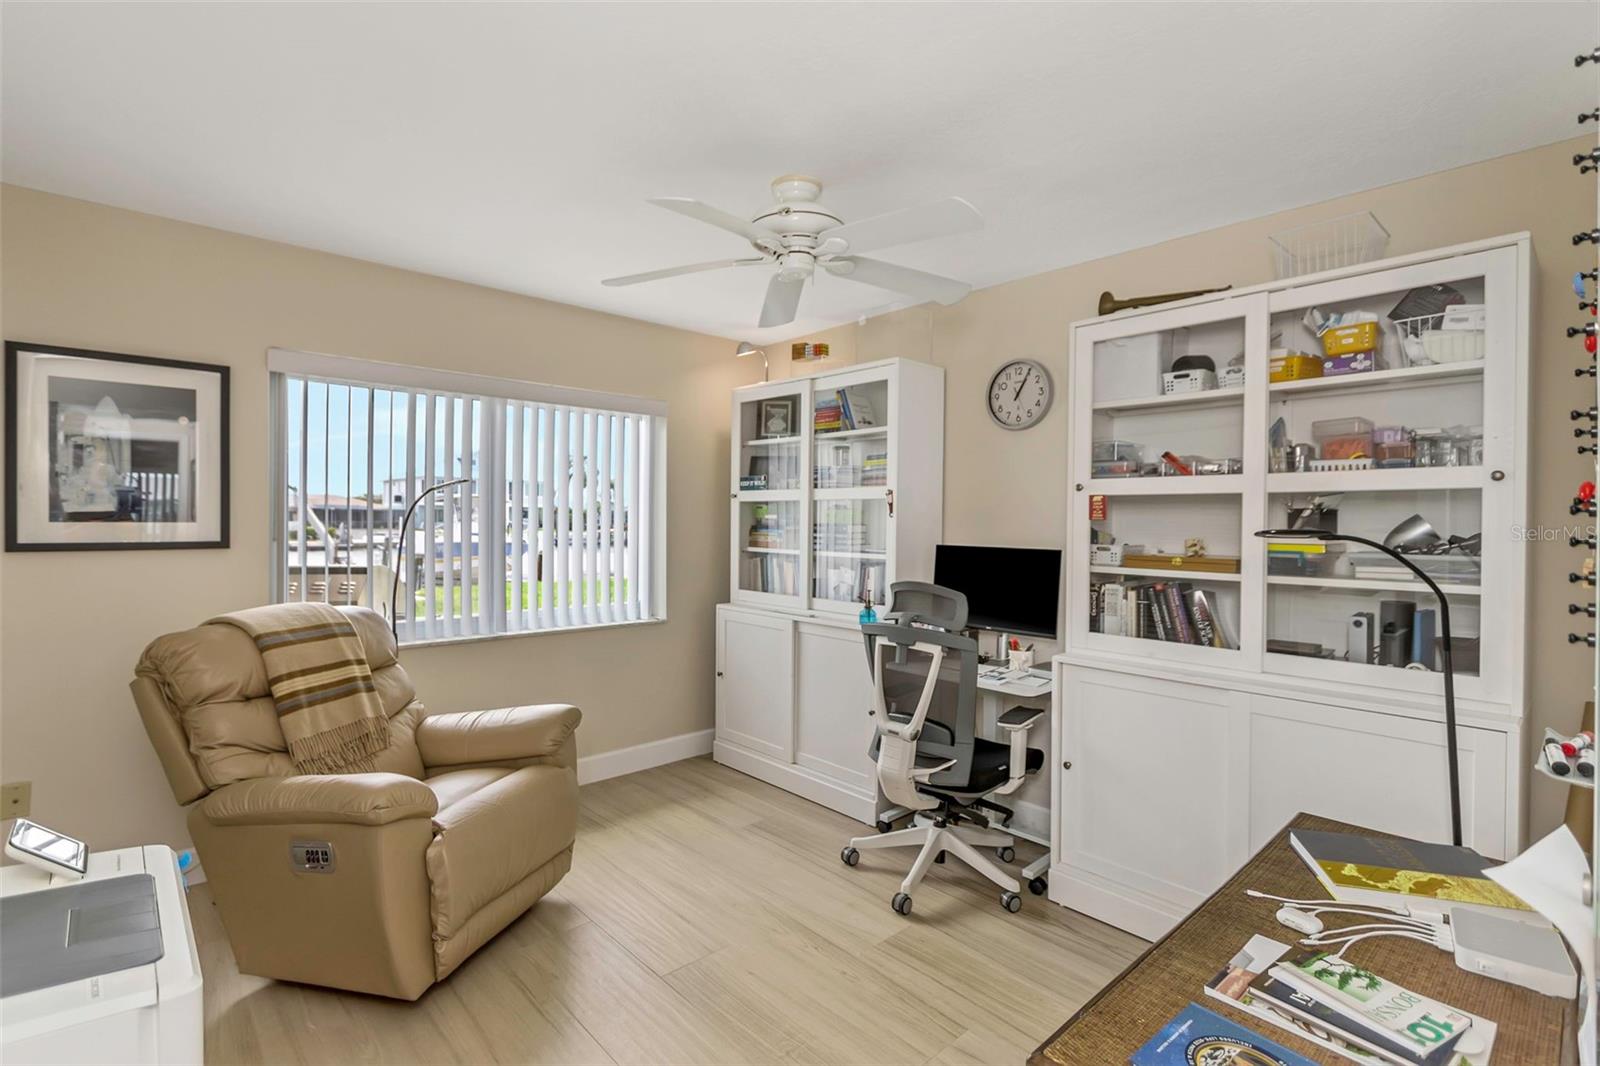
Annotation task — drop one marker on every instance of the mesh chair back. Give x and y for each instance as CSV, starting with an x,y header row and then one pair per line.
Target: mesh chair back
x,y
921,603
925,708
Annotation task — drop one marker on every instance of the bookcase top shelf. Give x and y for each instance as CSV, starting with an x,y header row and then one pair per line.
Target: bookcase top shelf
x,y
1188,400
1173,574
1370,585
1408,377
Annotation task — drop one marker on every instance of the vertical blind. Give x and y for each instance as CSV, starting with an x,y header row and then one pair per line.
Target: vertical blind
x,y
554,526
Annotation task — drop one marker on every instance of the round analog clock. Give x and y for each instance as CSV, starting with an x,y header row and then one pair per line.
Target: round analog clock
x,y
1020,394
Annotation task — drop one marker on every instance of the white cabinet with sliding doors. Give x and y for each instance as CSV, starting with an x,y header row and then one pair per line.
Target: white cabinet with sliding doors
x,y
1196,425
837,491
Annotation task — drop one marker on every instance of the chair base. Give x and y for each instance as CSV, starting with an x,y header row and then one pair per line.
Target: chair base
x,y
935,838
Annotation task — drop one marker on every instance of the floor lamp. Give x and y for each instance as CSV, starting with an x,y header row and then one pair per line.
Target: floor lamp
x,y
394,589
1444,627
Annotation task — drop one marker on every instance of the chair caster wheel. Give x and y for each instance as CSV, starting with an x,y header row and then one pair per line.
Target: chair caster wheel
x,y
1011,901
884,827
1038,885
1006,854
849,856
901,904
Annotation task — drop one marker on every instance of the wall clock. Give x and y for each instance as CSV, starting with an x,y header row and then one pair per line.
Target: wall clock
x,y
1020,393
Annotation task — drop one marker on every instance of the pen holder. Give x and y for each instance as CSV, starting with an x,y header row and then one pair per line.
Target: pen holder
x,y
1020,659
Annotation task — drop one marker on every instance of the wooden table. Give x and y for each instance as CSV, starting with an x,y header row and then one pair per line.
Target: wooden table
x,y
1533,1029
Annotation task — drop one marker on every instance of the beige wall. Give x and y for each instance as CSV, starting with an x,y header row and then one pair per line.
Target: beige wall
x,y
1010,488
72,624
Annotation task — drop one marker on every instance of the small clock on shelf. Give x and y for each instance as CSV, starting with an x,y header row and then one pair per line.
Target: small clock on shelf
x,y
1020,393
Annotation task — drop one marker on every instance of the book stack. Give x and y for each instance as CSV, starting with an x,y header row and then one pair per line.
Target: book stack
x,y
1340,1006
1301,558
844,409
839,535
1173,611
828,416
875,469
765,529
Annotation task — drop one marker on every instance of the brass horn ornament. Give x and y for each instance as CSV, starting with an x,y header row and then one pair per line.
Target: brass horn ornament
x,y
1110,305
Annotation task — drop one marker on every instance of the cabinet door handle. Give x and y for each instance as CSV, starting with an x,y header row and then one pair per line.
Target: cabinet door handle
x,y
719,673
1067,765
889,495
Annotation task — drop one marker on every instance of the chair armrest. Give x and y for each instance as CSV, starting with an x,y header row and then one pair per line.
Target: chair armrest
x,y
471,737
1019,718
352,799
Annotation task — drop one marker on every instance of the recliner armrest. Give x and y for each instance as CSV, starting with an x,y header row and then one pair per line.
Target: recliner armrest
x,y
354,799
471,737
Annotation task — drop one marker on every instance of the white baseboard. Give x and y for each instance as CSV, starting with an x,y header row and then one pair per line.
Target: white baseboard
x,y
608,764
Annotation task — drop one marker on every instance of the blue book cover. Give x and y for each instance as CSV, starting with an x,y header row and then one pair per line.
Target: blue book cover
x,y
1198,1037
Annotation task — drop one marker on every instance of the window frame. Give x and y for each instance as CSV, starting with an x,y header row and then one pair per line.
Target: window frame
x,y
283,363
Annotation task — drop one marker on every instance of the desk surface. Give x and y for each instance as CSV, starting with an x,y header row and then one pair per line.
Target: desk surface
x,y
1011,688
1173,972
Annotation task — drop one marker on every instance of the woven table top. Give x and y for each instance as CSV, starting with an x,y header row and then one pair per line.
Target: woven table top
x,y
1534,1030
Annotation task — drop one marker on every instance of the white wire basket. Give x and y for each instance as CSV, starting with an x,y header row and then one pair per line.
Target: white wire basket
x,y
1336,242
1420,342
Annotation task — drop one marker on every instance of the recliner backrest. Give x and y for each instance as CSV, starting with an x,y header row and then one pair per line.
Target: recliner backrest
x,y
203,696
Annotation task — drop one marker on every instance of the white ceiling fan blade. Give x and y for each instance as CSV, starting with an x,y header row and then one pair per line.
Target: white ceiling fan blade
x,y
672,272
716,216
942,218
783,300
917,283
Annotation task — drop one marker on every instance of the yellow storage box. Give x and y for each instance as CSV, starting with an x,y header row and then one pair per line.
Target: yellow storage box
x,y
1347,340
1295,366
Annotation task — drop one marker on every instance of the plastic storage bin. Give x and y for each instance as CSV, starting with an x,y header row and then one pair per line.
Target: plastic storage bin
x,y
1115,458
1180,381
1343,438
1347,340
1129,368
1294,366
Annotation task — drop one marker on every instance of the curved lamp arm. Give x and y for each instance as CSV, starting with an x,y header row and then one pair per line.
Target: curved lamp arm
x,y
1444,651
394,588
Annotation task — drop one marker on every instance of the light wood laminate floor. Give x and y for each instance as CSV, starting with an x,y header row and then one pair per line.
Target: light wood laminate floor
x,y
707,919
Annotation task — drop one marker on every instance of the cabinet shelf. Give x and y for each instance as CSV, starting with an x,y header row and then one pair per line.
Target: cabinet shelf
x,y
1405,378
1356,584
1172,574
770,551
1195,485
1187,400
844,554
849,434
1405,479
772,442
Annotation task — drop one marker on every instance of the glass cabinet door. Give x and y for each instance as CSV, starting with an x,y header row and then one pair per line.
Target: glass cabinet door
x,y
851,542
770,474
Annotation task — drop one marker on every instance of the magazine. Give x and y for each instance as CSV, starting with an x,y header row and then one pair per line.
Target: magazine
x,y
1249,983
1198,1037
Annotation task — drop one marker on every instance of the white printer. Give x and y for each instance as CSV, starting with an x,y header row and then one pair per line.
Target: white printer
x,y
102,970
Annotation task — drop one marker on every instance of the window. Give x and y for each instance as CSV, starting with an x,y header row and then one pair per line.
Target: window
x,y
558,521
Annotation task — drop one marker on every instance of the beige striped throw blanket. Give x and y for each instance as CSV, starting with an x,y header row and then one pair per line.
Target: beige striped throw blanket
x,y
321,685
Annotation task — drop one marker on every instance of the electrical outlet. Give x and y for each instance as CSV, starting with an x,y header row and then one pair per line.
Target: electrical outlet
x,y
16,799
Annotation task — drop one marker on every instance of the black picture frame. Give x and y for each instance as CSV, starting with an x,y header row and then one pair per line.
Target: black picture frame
x,y
14,351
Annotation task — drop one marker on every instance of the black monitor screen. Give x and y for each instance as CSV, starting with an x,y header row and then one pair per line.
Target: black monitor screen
x,y
1011,590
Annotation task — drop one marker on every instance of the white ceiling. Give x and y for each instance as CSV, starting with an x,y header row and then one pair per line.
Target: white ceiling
x,y
514,145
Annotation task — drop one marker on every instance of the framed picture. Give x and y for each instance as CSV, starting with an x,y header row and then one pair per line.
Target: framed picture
x,y
109,451
777,417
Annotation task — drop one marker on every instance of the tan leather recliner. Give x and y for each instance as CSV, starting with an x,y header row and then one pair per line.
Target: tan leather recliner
x,y
470,819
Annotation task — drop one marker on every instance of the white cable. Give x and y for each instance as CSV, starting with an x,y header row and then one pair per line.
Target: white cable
x,y
1397,909
1345,943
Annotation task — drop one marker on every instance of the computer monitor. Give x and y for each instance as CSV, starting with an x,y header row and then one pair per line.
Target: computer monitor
x,y
1008,590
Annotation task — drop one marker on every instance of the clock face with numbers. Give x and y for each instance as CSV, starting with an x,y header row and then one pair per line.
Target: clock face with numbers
x,y
1020,394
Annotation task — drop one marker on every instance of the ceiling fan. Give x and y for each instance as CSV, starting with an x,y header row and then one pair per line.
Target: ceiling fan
x,y
797,234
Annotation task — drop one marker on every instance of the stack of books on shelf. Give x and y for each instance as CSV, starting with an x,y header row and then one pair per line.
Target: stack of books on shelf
x,y
875,468
1302,558
765,529
1173,611
840,535
843,409
1348,1010
777,574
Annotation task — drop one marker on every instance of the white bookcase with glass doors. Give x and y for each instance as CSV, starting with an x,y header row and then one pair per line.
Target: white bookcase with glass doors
x,y
837,490
836,485
1273,670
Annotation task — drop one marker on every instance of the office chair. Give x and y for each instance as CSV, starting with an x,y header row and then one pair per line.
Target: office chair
x,y
930,760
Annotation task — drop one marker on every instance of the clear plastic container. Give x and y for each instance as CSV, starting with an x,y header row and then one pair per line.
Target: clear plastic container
x,y
1343,438
1115,451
